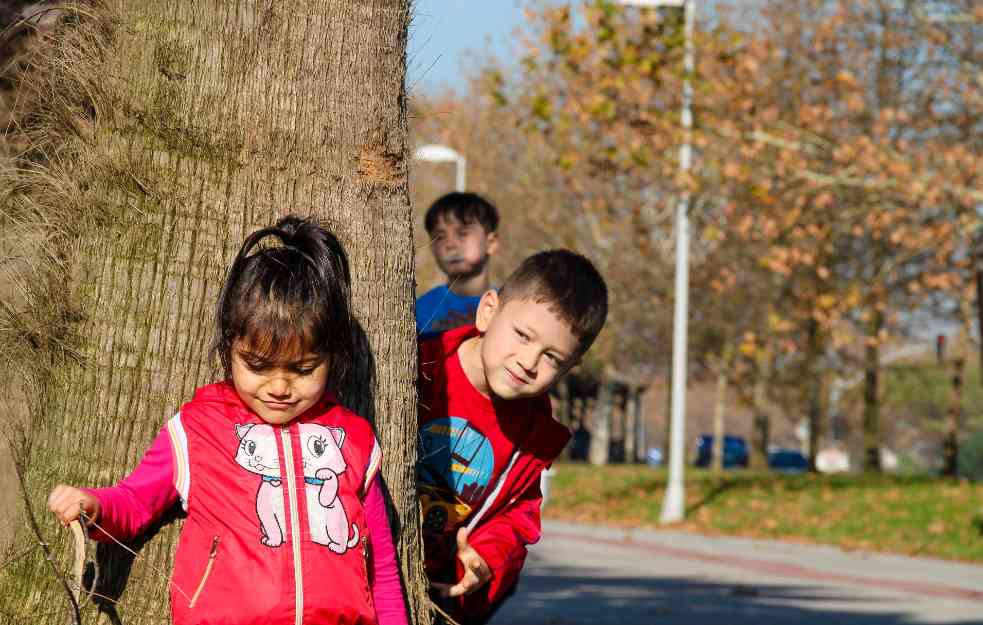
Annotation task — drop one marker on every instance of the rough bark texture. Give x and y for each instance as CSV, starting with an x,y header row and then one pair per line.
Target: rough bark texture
x,y
169,130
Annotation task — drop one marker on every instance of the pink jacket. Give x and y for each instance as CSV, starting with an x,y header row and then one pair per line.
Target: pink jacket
x,y
257,546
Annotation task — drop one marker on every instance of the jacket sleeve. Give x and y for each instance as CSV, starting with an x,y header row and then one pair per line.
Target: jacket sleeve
x,y
140,498
501,541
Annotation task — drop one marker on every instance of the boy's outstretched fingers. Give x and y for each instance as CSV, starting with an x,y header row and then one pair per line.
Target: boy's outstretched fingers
x,y
476,571
66,503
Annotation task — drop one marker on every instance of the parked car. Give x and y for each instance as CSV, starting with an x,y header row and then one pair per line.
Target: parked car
x,y
735,451
788,461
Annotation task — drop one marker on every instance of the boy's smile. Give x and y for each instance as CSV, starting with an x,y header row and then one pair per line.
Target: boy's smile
x,y
524,349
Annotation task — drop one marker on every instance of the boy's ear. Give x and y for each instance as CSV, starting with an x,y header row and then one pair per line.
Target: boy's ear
x,y
491,243
487,306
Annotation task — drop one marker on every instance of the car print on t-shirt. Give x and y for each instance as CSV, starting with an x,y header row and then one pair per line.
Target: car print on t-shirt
x,y
455,465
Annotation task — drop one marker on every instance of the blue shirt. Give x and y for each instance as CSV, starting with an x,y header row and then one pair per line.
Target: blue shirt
x,y
440,309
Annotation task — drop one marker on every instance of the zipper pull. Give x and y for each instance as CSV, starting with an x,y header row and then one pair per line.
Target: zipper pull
x,y
214,549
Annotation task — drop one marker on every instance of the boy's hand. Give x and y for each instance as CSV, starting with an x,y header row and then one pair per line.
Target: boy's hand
x,y
65,502
476,571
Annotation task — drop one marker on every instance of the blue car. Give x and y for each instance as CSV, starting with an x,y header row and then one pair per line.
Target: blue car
x,y
735,451
788,461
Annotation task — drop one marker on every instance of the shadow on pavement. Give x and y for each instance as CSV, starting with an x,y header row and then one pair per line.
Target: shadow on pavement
x,y
552,596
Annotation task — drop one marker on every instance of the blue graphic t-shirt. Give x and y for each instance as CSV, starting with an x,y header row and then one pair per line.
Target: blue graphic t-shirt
x,y
440,309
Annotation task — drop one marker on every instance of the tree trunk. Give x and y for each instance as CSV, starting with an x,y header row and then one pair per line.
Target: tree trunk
x,y
641,426
564,412
632,399
600,427
950,446
872,407
815,391
719,408
762,420
172,129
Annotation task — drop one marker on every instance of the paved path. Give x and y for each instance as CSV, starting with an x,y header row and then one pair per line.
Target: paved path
x,y
588,575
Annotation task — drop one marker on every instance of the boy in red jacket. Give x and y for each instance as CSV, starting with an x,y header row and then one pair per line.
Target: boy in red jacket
x,y
486,430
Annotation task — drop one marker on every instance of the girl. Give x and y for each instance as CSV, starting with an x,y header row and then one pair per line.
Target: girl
x,y
280,483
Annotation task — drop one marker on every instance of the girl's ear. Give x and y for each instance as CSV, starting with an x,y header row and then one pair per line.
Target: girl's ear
x,y
487,307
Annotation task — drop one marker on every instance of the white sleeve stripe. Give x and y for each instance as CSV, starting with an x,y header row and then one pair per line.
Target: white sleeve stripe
x,y
375,459
182,465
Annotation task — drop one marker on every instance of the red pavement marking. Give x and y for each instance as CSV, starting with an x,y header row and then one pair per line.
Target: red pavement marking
x,y
782,569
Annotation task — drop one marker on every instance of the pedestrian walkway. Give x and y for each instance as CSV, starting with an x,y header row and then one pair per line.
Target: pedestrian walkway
x,y
581,574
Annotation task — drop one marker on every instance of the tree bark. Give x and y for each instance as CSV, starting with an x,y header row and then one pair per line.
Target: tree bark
x,y
170,130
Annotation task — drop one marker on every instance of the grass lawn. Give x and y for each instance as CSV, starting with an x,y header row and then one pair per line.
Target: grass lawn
x,y
911,515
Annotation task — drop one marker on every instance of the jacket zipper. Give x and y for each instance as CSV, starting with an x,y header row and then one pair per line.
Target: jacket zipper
x,y
208,571
289,477
365,568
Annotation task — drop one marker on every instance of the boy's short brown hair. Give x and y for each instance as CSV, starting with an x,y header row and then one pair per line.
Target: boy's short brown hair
x,y
570,286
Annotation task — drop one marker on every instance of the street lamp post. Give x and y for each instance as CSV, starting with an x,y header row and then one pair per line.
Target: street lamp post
x,y
673,504
434,153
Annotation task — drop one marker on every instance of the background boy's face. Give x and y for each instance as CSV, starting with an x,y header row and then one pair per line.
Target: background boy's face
x,y
526,347
461,249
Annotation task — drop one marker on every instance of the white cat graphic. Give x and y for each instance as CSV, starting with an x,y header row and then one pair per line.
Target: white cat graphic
x,y
322,462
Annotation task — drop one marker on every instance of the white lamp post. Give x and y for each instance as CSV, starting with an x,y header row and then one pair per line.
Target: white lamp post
x,y
442,154
673,505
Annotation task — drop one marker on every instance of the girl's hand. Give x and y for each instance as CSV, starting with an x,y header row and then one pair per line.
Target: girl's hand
x,y
66,501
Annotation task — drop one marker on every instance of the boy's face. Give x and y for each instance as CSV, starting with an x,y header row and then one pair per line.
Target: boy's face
x,y
461,249
526,347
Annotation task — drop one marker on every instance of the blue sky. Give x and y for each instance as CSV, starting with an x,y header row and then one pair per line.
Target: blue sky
x,y
443,30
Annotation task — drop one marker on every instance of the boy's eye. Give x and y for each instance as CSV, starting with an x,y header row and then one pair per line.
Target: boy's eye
x,y
522,335
304,370
554,359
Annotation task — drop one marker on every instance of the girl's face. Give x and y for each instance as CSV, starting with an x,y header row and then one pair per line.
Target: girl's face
x,y
278,391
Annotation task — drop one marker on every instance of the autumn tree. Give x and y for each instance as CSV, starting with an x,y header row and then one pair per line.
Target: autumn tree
x,y
156,136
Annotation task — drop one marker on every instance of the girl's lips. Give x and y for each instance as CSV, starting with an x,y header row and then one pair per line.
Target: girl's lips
x,y
278,405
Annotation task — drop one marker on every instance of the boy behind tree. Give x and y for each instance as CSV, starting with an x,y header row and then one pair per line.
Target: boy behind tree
x,y
463,237
486,430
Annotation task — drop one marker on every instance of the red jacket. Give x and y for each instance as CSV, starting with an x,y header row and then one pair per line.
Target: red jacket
x,y
275,532
509,518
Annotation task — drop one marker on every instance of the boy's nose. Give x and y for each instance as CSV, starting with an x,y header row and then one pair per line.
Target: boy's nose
x,y
527,360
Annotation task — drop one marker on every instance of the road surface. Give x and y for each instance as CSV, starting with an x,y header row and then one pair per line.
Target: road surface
x,y
588,575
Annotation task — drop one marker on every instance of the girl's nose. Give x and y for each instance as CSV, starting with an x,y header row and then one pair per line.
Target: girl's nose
x,y
278,387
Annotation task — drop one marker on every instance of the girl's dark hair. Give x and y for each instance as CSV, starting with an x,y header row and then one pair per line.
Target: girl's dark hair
x,y
293,297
